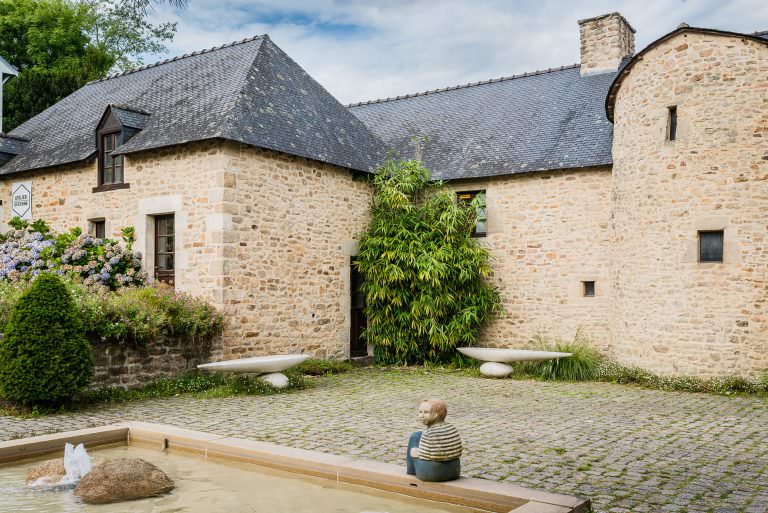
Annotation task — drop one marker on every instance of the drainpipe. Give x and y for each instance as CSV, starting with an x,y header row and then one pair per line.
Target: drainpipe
x,y
6,72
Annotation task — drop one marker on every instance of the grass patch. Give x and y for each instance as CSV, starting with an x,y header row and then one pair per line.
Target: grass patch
x,y
587,364
614,372
581,366
195,384
320,367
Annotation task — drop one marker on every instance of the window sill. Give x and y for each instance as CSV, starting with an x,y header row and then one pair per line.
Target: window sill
x,y
111,187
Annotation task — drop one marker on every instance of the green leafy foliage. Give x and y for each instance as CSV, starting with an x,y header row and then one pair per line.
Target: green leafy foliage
x,y
44,356
319,367
135,316
197,384
611,371
59,45
587,364
424,277
582,365
202,384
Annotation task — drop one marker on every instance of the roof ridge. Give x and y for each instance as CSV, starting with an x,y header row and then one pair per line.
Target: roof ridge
x,y
464,86
179,57
125,107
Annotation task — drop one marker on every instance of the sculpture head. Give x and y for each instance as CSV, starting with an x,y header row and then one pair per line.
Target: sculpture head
x,y
432,411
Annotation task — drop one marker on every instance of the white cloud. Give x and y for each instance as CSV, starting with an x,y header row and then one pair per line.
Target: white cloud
x,y
365,50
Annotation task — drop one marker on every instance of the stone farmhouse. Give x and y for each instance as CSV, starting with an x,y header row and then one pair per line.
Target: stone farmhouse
x,y
627,196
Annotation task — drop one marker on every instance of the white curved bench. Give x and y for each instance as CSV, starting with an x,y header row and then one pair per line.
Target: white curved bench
x,y
497,358
270,367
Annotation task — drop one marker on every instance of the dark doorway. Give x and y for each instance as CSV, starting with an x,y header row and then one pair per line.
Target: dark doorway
x,y
357,344
165,257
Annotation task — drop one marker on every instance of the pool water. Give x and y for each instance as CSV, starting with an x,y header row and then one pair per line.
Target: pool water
x,y
207,485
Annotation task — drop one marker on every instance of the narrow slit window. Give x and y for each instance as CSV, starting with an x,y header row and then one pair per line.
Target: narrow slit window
x,y
588,288
672,124
711,246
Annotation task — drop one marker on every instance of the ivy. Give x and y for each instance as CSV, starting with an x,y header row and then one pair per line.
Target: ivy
x,y
424,277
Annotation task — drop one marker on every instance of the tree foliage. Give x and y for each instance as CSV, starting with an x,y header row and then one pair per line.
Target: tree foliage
x,y
424,277
60,45
44,356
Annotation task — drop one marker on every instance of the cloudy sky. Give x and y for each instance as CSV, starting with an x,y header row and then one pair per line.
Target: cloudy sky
x,y
361,50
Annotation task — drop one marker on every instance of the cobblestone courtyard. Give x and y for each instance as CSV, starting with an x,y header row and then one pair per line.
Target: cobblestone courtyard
x,y
628,449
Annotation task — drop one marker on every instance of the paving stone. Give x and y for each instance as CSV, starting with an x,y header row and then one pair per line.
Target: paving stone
x,y
644,450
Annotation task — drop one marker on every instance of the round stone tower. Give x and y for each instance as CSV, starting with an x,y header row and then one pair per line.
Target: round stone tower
x,y
689,271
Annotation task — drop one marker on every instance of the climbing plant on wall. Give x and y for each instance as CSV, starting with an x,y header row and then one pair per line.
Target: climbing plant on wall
x,y
424,277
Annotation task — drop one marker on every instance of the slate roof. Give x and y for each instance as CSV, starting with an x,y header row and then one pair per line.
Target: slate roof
x,y
249,91
551,119
130,117
12,145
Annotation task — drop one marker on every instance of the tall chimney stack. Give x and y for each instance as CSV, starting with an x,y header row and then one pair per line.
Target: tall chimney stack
x,y
605,41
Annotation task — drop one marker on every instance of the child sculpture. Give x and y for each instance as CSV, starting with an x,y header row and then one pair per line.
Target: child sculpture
x,y
433,454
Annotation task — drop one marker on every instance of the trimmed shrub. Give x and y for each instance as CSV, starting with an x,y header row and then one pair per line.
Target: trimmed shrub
x,y
44,356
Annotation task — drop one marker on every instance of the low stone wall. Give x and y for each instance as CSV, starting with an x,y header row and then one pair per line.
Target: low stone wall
x,y
128,366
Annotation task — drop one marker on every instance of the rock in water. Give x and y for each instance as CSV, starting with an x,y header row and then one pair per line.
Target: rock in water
x,y
48,472
122,480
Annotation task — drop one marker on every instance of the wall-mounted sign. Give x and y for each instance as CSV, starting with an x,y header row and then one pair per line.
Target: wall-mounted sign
x,y
21,200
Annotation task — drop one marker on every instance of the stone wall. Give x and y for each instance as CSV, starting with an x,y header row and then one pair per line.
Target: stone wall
x,y
264,236
287,242
671,313
605,41
178,180
127,366
547,234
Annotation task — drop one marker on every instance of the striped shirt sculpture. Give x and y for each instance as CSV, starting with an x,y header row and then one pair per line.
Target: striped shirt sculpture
x,y
433,454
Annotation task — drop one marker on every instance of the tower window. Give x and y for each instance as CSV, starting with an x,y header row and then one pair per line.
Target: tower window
x,y
711,246
672,124
588,288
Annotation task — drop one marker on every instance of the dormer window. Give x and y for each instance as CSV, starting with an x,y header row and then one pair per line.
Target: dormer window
x,y
110,167
117,126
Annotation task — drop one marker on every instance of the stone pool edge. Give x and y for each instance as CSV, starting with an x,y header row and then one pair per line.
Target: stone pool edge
x,y
478,493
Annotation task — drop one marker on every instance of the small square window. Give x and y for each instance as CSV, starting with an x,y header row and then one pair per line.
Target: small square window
x,y
588,288
97,228
711,246
480,229
672,124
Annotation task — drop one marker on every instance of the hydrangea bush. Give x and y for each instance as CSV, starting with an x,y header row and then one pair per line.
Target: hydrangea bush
x,y
102,262
28,250
111,295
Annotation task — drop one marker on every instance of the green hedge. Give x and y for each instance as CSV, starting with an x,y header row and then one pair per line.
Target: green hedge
x,y
44,356
130,315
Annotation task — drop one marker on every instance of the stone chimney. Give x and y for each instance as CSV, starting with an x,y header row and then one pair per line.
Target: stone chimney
x,y
605,41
